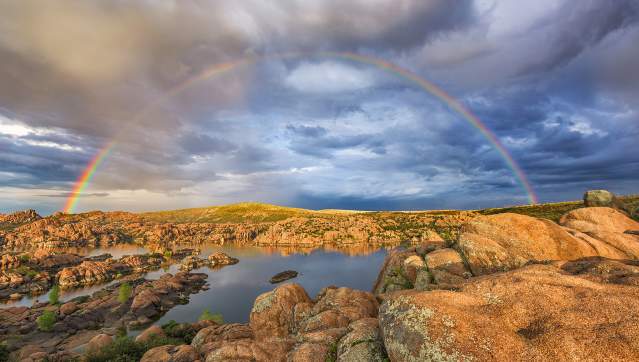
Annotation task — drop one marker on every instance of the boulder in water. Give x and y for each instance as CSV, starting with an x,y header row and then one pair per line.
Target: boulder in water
x,y
285,275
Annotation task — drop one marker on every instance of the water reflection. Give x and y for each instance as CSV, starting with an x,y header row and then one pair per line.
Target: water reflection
x,y
234,288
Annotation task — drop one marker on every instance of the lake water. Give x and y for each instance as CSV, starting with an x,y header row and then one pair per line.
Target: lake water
x,y
234,288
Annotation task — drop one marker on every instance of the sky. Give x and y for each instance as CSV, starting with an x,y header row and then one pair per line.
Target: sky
x,y
285,122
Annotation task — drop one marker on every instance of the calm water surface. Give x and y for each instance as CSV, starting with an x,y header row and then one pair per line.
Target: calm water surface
x,y
234,288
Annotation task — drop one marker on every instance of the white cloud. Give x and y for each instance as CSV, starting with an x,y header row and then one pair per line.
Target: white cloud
x,y
585,128
20,132
328,77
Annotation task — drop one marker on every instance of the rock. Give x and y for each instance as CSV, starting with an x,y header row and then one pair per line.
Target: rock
x,y
604,198
98,342
89,272
363,342
446,267
149,333
15,296
506,241
335,308
152,300
213,337
273,312
538,312
608,226
9,261
170,353
283,276
192,262
410,267
599,198
220,258
391,276
68,308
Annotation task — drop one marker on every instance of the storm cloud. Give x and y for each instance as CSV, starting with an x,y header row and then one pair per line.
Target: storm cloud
x,y
556,81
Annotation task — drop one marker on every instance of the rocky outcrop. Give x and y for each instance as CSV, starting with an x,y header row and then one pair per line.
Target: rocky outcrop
x,y
220,259
81,319
215,260
564,311
154,299
285,324
90,272
170,353
508,241
8,221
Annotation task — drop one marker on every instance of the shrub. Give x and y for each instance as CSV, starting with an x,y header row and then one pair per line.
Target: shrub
x,y
124,293
182,331
126,349
4,353
208,316
46,320
54,295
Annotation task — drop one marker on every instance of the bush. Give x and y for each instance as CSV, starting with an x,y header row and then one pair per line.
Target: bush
x,y
124,293
183,331
126,349
46,320
4,353
208,316
54,295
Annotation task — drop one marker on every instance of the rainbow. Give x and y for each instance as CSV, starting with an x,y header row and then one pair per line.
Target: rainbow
x,y
221,68
86,176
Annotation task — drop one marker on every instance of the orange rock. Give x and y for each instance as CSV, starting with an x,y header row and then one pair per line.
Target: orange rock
x,y
538,312
272,313
507,241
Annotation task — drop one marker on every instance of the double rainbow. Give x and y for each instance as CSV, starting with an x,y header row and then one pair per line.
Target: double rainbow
x,y
221,68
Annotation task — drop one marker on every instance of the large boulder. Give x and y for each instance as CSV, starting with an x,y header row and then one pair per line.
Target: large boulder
x,y
603,198
557,312
286,325
99,341
606,225
273,313
507,241
171,353
153,331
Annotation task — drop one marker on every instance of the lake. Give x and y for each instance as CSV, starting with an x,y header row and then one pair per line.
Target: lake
x,y
232,289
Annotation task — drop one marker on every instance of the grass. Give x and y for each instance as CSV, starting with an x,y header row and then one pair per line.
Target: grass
x,y
554,211
247,212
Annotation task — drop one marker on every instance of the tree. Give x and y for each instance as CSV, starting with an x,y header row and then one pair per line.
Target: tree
x,y
54,295
124,293
46,320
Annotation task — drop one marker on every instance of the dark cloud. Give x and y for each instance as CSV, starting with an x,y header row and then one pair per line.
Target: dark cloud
x,y
556,84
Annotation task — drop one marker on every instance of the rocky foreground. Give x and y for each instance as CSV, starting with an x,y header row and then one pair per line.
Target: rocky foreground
x,y
506,287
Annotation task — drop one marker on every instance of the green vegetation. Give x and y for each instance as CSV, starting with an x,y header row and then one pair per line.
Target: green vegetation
x,y
332,353
208,316
46,321
4,353
54,295
124,293
126,349
554,211
182,331
247,212
26,271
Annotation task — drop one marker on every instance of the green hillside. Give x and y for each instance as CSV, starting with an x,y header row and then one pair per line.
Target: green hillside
x,y
247,212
